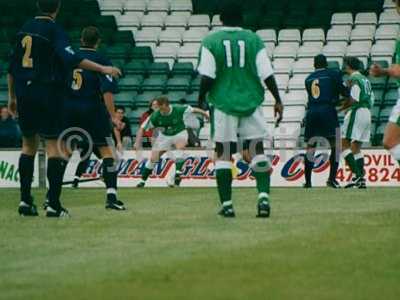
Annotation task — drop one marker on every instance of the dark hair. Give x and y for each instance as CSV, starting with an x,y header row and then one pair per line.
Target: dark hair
x,y
231,13
120,108
48,6
162,100
320,62
90,36
352,62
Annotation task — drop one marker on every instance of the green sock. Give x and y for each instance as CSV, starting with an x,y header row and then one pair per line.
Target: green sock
x,y
353,164
224,182
146,173
263,179
179,164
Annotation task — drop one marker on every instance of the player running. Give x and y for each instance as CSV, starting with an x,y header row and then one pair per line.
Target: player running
x,y
90,106
170,119
233,63
36,81
391,139
356,128
324,88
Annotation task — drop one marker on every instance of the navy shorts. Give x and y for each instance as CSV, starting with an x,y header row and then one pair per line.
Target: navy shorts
x,y
40,110
322,123
93,118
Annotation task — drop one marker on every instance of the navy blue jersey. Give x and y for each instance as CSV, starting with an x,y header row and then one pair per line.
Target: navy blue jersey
x,y
324,87
42,53
87,86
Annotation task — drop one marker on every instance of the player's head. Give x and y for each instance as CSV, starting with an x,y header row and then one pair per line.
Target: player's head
x,y
351,64
320,62
163,104
120,112
397,2
231,13
50,7
90,37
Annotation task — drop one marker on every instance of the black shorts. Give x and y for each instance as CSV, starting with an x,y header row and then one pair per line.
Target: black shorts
x,y
93,119
321,123
40,110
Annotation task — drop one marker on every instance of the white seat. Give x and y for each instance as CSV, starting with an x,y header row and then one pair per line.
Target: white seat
x,y
389,4
199,21
181,5
340,33
288,131
387,32
158,5
285,52
363,33
342,19
152,45
189,51
130,20
177,19
166,52
154,19
359,49
171,35
297,82
116,5
296,97
283,65
282,81
195,35
335,50
137,5
389,17
309,51
267,35
383,51
366,19
289,35
313,44
294,114
148,35
216,21
314,35
303,66
270,49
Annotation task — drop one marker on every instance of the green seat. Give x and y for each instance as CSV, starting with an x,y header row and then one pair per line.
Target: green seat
x,y
119,51
392,83
143,100
125,98
5,50
176,96
182,69
158,69
178,84
141,53
193,98
131,83
122,36
135,68
195,84
154,83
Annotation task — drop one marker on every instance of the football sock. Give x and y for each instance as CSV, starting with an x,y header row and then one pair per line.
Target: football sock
x,y
351,162
81,168
110,175
55,174
308,168
26,166
179,164
334,162
224,181
261,167
360,163
396,153
148,169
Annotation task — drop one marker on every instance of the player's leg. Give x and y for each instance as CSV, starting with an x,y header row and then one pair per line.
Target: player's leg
x,y
180,141
309,164
348,134
391,139
224,132
334,159
148,168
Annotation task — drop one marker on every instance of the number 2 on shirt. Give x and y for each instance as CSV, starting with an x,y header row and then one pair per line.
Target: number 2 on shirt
x,y
27,61
228,52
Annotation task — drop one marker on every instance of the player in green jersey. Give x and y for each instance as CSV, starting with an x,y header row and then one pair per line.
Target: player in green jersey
x,y
391,141
233,64
170,119
356,128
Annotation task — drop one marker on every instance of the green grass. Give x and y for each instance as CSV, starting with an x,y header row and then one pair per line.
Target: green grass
x,y
319,244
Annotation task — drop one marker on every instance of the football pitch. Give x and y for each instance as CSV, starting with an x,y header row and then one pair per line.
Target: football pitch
x,y
170,244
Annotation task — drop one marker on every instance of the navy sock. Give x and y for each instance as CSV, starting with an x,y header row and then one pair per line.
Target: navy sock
x,y
26,167
55,174
110,178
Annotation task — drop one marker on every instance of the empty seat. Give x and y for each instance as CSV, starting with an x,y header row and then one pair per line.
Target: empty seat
x,y
314,35
182,69
137,5
181,83
199,21
155,19
285,52
167,51
340,33
387,32
142,53
366,19
296,97
294,114
216,21
283,65
303,66
158,5
135,68
335,50
195,35
383,51
282,81
171,35
363,33
270,49
390,17
309,51
189,51
289,35
267,35
130,83
130,21
297,82
178,19
342,19
359,48
157,68
154,83
147,35
112,6
181,5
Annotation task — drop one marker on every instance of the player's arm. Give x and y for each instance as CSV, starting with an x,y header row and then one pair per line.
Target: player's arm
x,y
118,138
109,103
206,84
208,71
377,71
12,98
200,111
353,98
139,134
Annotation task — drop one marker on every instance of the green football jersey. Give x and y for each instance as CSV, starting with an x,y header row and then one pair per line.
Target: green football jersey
x,y
237,68
397,58
366,97
172,124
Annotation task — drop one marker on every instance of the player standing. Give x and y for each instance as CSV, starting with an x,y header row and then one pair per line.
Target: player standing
x,y
233,63
324,88
356,128
391,139
171,120
36,81
90,106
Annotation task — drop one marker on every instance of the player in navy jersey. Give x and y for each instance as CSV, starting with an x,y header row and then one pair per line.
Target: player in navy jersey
x,y
90,106
37,85
324,88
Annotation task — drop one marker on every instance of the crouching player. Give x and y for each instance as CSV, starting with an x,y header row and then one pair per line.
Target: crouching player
x,y
170,119
90,106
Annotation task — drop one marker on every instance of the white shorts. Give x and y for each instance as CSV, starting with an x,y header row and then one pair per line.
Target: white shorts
x,y
165,142
226,128
395,116
357,125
